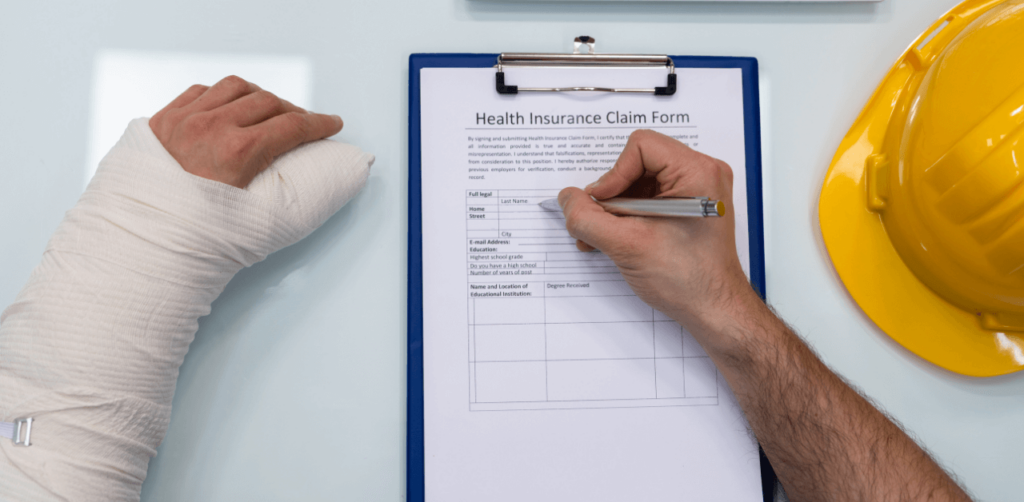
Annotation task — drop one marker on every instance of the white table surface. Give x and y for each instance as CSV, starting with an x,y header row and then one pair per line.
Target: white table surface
x,y
295,386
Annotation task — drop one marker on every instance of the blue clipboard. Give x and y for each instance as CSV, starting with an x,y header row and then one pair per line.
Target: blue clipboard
x,y
415,478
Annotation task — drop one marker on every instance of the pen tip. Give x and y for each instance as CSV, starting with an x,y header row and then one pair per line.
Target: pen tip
x,y
550,205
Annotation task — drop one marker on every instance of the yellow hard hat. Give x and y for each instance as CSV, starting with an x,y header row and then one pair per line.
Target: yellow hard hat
x,y
922,209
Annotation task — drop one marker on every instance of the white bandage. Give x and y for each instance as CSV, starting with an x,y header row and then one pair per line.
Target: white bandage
x,y
92,345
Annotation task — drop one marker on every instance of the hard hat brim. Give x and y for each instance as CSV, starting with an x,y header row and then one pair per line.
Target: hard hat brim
x,y
868,264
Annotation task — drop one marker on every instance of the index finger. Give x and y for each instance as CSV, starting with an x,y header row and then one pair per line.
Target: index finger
x,y
289,130
646,151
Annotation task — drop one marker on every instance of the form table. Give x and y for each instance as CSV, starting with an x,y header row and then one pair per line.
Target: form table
x,y
551,327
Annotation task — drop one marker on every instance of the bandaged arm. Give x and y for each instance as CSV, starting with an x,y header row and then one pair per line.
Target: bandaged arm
x,y
91,347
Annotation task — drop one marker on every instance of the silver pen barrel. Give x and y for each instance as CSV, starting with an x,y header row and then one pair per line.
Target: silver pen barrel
x,y
664,206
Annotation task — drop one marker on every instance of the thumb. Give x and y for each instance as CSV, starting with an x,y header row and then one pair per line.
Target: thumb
x,y
587,221
307,185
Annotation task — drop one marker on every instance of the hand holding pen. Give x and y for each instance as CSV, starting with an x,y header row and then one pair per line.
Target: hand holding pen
x,y
684,267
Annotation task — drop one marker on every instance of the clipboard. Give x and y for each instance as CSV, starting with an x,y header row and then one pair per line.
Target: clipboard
x,y
415,451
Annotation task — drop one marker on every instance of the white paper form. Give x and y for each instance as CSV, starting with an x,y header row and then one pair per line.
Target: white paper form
x,y
545,377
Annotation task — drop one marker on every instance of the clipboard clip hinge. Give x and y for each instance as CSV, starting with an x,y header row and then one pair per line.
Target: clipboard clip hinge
x,y
578,58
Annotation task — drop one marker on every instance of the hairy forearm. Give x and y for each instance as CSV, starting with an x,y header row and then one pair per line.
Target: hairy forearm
x,y
825,441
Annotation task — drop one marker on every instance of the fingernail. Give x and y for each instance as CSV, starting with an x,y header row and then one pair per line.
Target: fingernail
x,y
338,119
592,186
563,198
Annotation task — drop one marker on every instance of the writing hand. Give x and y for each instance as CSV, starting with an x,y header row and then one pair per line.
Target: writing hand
x,y
685,267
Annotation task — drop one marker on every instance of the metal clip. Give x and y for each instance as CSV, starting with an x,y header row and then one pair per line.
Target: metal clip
x,y
590,42
580,58
23,424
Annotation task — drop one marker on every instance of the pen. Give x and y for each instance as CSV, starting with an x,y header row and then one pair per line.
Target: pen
x,y
676,207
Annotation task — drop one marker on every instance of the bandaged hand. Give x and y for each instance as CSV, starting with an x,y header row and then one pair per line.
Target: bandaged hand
x,y
214,182
232,131
686,268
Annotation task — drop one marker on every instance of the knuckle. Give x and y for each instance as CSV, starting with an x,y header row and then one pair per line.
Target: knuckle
x,y
296,119
267,100
297,123
234,83
648,135
725,170
564,196
709,165
716,171
640,134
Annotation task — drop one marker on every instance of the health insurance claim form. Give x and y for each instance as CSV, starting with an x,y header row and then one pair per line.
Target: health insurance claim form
x,y
545,377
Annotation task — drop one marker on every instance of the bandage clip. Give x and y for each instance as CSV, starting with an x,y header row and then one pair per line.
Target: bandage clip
x,y
23,424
